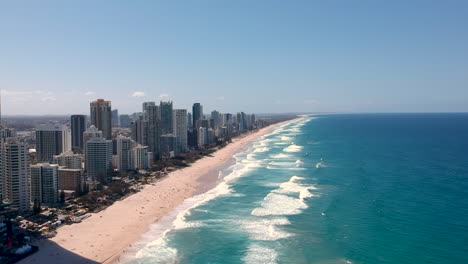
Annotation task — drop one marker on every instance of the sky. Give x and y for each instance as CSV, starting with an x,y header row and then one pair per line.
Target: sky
x,y
252,56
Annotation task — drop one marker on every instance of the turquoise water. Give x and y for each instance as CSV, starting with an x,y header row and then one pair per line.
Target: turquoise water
x,y
386,188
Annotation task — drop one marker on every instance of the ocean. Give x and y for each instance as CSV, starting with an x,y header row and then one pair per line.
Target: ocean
x,y
357,188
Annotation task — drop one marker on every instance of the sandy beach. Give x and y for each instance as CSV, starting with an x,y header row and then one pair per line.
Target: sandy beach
x,y
102,237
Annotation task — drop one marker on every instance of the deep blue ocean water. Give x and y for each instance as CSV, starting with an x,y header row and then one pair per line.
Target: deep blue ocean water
x,y
363,188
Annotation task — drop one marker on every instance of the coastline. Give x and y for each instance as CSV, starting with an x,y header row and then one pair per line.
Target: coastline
x,y
103,237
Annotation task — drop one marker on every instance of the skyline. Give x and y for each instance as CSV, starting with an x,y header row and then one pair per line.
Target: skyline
x,y
261,57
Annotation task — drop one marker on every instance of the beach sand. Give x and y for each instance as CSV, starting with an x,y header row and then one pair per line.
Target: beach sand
x,y
104,236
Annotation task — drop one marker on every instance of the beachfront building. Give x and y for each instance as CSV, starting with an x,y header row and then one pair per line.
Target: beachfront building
x,y
168,145
98,160
71,180
101,116
142,158
69,160
202,137
44,184
15,174
52,140
124,153
78,127
180,130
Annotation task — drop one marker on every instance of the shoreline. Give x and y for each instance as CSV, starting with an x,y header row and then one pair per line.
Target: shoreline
x,y
105,236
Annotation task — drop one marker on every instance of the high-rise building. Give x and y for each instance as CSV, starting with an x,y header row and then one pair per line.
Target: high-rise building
x,y
101,116
71,180
168,145
52,140
44,183
202,136
115,118
189,120
91,132
124,153
98,159
217,119
145,106
141,157
78,126
125,121
6,132
166,118
69,160
140,131
180,130
197,114
15,174
153,117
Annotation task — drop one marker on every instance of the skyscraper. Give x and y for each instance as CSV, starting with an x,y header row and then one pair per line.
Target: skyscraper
x,y
45,183
98,159
91,132
166,118
125,121
146,104
197,114
141,157
15,174
124,153
153,117
101,116
52,140
217,119
140,131
78,126
180,130
115,118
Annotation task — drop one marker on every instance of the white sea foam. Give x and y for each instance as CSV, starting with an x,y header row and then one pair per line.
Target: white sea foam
x,y
281,156
266,229
277,163
285,138
257,254
279,201
279,204
158,252
264,149
293,148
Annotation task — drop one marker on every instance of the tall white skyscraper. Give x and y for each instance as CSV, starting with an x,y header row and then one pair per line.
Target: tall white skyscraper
x,y
180,130
52,140
141,157
45,183
91,132
15,174
124,153
98,159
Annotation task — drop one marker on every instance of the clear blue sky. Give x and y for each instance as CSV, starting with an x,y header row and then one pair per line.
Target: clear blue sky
x,y
255,56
